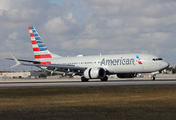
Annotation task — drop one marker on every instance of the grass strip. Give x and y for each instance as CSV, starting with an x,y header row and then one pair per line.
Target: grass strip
x,y
156,102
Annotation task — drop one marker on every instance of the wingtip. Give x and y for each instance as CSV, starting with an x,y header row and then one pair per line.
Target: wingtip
x,y
17,62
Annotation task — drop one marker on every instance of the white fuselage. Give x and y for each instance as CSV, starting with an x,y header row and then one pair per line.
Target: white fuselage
x,y
121,63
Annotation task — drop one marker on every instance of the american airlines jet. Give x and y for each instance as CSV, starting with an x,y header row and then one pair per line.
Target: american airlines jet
x,y
92,67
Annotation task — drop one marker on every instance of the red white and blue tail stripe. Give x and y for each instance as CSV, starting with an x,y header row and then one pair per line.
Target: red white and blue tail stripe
x,y
39,48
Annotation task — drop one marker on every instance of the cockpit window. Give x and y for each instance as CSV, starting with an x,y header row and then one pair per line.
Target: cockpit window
x,y
156,59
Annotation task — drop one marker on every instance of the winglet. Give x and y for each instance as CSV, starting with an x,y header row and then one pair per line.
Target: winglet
x,y
17,62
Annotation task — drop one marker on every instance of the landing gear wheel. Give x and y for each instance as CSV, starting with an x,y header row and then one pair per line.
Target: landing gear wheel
x,y
153,78
83,79
104,79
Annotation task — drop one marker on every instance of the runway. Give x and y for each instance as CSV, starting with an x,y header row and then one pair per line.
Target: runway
x,y
91,83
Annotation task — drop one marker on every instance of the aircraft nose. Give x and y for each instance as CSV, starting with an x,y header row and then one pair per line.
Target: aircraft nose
x,y
165,64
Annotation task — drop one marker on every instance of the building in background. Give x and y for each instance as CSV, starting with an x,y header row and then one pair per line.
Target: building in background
x,y
21,75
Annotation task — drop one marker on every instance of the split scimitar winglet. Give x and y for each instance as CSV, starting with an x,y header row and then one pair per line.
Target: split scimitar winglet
x,y
17,62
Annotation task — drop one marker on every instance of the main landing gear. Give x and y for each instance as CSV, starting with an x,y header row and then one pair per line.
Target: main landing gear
x,y
104,79
83,79
153,78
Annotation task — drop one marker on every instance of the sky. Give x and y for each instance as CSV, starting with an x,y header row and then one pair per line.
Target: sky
x,y
89,27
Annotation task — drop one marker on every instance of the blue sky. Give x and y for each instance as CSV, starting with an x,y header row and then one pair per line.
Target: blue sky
x,y
89,27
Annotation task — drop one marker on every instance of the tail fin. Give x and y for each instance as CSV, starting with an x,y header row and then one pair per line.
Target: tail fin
x,y
39,48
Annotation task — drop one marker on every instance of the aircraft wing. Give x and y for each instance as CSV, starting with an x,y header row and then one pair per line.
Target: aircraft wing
x,y
72,67
37,64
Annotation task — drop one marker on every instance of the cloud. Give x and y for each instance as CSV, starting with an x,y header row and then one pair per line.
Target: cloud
x,y
68,3
90,26
103,2
13,35
62,25
56,26
81,44
16,14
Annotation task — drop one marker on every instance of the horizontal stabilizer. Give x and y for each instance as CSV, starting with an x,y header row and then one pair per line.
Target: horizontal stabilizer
x,y
31,61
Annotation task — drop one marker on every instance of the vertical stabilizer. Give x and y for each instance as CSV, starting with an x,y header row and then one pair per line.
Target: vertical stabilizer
x,y
39,48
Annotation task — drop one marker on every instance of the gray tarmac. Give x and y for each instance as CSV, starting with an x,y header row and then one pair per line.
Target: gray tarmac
x,y
171,81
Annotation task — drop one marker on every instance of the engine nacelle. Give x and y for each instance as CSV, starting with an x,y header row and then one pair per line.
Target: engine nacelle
x,y
94,73
126,75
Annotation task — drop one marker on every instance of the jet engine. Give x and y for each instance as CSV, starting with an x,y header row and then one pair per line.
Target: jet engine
x,y
94,73
126,75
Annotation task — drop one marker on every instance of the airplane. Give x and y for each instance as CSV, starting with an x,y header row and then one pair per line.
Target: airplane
x,y
91,67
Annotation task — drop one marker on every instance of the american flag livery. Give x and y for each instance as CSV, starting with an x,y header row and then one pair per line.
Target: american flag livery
x,y
39,48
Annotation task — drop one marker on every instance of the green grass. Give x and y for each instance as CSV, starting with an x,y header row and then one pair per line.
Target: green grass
x,y
92,103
